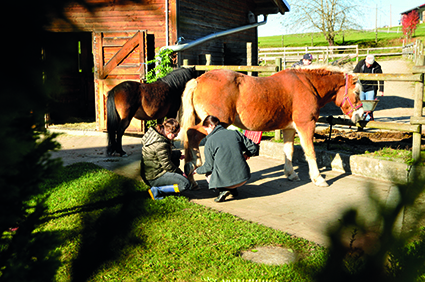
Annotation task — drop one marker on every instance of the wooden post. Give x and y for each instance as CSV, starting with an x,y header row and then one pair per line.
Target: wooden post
x,y
417,112
357,53
208,58
249,55
278,133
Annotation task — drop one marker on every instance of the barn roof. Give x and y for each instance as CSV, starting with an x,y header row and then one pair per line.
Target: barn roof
x,y
415,8
271,6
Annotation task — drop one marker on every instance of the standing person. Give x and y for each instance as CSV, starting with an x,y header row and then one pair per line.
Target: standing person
x,y
305,61
159,166
369,87
226,152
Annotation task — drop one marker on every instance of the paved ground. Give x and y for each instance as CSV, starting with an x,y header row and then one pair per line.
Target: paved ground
x,y
298,208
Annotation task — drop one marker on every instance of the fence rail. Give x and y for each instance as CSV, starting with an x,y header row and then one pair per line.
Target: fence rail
x,y
324,54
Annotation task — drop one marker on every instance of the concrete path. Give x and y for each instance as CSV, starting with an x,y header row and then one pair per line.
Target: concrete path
x,y
298,208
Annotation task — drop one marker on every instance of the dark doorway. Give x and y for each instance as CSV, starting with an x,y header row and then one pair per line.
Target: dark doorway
x,y
72,99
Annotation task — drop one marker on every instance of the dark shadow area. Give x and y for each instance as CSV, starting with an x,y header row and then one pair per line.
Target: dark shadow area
x,y
107,220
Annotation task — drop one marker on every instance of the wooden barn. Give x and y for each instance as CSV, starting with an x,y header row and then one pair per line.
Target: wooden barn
x,y
114,39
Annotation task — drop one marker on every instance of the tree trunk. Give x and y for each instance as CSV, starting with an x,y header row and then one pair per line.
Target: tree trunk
x,y
330,39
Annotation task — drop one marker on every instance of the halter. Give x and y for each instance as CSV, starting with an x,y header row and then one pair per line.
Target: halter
x,y
347,99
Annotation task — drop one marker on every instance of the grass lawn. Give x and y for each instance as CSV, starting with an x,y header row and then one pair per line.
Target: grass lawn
x,y
364,38
110,230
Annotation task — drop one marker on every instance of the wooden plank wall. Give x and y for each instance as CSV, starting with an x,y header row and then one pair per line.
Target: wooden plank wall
x,y
113,15
198,19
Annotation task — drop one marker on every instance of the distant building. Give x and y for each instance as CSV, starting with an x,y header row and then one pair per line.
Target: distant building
x,y
421,12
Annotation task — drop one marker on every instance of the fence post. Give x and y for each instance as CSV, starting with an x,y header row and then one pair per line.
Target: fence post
x,y
249,56
417,112
357,53
278,133
185,62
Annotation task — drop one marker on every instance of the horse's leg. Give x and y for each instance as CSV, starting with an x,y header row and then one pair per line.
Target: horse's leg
x,y
122,126
306,132
288,150
192,153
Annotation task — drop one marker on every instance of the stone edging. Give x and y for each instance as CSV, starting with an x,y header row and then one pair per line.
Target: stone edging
x,y
358,165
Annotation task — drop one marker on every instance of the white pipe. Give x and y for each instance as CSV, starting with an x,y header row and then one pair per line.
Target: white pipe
x,y
182,47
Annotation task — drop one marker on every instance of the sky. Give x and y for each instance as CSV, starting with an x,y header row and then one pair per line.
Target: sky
x,y
388,11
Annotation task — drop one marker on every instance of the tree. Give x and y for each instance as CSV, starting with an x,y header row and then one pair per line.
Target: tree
x,y
409,23
327,16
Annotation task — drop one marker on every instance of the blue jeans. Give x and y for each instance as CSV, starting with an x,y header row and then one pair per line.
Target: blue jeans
x,y
368,95
170,178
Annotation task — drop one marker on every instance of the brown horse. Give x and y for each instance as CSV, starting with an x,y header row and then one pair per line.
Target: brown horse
x,y
145,102
289,100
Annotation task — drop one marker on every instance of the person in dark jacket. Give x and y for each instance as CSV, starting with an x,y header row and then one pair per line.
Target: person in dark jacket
x,y
369,87
305,61
226,152
159,167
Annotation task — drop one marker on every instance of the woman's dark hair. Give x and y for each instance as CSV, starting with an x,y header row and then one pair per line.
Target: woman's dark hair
x,y
210,120
171,125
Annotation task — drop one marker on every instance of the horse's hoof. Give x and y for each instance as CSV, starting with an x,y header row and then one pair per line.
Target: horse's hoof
x,y
320,182
293,177
189,168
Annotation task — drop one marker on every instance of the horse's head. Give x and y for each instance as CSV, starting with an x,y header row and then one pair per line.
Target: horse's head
x,y
349,99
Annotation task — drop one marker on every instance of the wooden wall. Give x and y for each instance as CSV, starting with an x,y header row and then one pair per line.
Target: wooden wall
x,y
115,15
197,19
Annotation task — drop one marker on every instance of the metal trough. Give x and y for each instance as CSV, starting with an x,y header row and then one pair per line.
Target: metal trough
x,y
369,105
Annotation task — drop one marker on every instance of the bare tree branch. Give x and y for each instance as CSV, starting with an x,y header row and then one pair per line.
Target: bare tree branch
x,y
330,17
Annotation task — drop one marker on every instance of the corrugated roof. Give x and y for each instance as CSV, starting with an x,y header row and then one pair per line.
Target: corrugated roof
x,y
415,8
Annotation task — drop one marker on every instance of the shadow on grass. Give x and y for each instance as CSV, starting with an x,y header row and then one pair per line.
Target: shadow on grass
x,y
107,221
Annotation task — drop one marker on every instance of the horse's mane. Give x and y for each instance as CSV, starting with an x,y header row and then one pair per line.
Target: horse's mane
x,y
324,68
328,69
178,78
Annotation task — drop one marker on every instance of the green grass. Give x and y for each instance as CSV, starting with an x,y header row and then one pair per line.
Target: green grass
x,y
352,37
111,230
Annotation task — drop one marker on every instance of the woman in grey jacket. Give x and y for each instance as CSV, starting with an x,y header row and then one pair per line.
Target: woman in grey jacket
x,y
159,166
226,152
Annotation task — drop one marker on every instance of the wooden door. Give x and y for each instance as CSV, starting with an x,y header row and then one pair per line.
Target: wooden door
x,y
118,56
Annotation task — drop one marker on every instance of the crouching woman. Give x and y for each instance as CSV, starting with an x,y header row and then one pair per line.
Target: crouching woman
x,y
226,153
159,167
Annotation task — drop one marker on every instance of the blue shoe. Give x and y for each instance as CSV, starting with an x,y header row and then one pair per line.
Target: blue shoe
x,y
158,193
154,193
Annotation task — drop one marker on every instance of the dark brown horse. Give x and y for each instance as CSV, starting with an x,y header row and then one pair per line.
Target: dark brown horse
x,y
289,100
145,102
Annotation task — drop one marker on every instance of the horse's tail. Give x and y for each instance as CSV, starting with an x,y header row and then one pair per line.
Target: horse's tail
x,y
189,116
113,118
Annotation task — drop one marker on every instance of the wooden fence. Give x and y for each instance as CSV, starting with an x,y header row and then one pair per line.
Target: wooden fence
x,y
324,54
415,52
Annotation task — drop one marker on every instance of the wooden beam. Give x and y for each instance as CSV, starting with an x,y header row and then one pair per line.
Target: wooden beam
x,y
417,120
121,54
390,77
236,68
405,127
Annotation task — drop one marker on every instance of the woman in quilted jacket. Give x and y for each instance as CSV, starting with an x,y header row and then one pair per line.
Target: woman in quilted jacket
x,y
159,166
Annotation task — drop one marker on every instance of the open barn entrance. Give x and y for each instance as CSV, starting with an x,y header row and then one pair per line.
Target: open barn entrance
x,y
70,64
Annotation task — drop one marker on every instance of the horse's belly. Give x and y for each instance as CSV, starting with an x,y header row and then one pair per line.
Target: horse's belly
x,y
263,122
